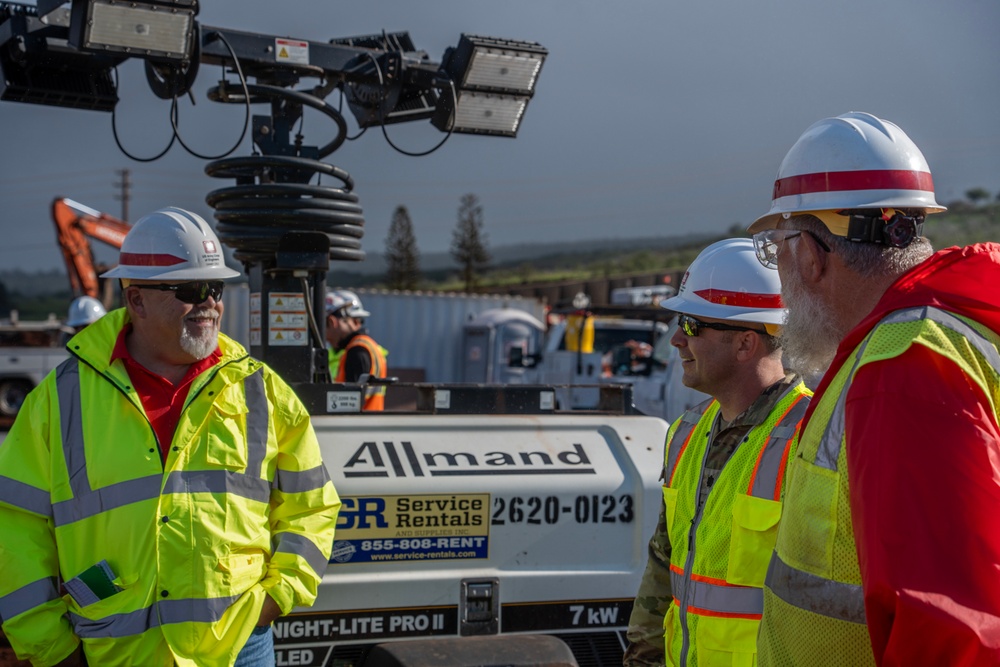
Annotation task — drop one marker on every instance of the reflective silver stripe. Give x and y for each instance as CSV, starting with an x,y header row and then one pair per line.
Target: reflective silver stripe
x,y
87,502
951,321
218,481
106,498
197,610
28,597
828,452
705,596
678,585
71,424
300,545
292,481
24,496
813,593
765,481
256,402
689,422
116,625
194,610
833,438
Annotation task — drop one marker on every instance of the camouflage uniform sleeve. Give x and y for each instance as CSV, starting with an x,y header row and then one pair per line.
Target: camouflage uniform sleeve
x,y
645,625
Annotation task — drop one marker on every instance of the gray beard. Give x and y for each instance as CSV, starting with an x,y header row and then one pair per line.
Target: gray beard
x,y
200,347
810,335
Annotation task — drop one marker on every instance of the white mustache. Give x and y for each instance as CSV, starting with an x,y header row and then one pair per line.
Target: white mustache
x,y
206,312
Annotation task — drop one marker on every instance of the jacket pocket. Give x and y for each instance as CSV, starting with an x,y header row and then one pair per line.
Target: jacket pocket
x,y
726,642
94,584
226,441
754,531
241,570
671,638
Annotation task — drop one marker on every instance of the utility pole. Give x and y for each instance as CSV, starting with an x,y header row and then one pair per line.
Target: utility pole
x,y
124,184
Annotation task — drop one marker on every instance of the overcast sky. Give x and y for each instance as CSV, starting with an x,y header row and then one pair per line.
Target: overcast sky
x,y
651,118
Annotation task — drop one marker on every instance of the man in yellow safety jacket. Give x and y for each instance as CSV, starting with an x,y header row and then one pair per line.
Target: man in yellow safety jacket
x,y
888,550
700,598
357,354
162,495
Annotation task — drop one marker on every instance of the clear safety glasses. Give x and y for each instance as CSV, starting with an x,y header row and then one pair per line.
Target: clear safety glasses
x,y
768,244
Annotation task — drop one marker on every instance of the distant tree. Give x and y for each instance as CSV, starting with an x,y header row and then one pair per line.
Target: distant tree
x,y
469,241
976,195
401,256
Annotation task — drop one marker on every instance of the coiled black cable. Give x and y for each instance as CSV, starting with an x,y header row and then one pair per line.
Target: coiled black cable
x,y
273,196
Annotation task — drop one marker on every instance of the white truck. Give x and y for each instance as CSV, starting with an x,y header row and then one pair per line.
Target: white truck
x,y
654,374
28,351
496,538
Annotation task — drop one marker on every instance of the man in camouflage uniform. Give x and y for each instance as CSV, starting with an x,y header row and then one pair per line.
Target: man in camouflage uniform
x,y
700,596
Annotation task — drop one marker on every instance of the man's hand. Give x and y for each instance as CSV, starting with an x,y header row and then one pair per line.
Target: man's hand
x,y
269,612
73,659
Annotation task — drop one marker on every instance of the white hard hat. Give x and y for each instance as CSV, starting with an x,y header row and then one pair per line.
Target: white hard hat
x,y
84,310
171,244
347,301
853,161
727,282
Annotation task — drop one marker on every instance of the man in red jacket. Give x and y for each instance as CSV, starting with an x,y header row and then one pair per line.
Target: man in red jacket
x,y
889,547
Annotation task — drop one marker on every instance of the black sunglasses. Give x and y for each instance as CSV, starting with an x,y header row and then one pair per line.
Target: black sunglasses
x,y
194,292
690,326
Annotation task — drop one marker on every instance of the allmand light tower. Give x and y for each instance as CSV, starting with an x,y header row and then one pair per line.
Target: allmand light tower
x,y
289,212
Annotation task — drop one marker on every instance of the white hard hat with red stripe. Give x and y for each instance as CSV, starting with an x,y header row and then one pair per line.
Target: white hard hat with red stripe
x,y
727,282
171,244
852,161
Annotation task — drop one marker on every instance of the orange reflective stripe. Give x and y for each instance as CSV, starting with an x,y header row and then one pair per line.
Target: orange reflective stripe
x,y
768,460
723,614
689,420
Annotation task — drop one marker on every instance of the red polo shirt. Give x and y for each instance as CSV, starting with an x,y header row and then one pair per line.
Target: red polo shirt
x,y
162,400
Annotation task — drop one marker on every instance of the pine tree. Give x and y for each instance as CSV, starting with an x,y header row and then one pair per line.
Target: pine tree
x,y
468,241
401,256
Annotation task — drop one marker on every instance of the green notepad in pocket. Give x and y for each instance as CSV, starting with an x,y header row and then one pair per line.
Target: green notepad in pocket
x,y
95,583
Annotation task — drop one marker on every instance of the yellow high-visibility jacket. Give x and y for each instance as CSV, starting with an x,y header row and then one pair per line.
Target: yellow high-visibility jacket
x,y
242,508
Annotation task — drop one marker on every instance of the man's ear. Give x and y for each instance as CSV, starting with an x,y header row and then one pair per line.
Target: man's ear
x,y
747,345
134,302
813,259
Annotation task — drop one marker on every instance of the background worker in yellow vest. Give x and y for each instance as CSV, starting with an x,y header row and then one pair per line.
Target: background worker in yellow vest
x,y
889,547
162,494
700,597
351,348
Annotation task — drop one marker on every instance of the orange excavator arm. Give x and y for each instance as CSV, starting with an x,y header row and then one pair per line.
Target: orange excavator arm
x,y
76,224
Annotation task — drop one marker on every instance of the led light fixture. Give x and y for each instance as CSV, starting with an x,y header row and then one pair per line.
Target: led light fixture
x,y
37,67
154,30
493,80
496,65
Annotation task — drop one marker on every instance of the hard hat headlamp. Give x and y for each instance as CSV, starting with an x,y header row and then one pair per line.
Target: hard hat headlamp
x,y
885,226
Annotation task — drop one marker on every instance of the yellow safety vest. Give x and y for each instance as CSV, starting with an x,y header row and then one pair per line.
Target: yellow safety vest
x,y
814,609
189,548
719,552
